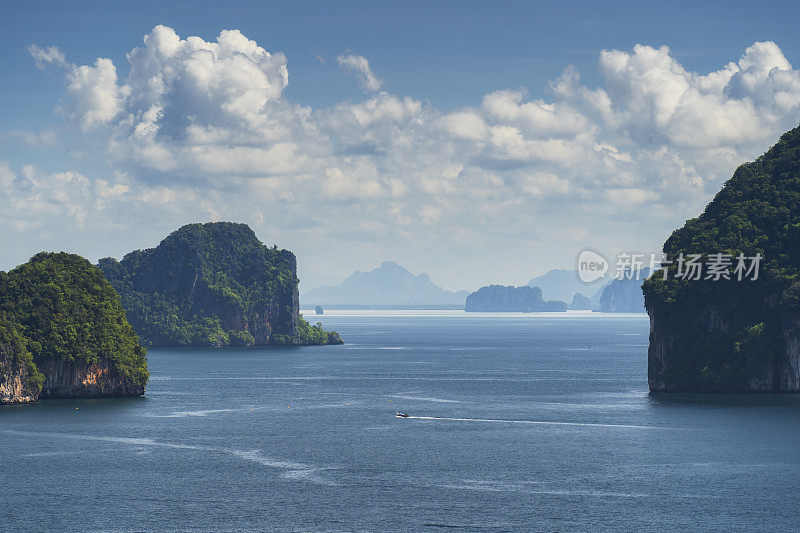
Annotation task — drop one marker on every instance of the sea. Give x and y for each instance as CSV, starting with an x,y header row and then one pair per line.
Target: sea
x,y
516,422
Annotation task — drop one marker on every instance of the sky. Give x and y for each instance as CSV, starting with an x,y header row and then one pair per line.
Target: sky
x,y
480,142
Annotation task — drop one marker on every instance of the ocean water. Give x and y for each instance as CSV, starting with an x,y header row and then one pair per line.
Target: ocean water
x,y
517,422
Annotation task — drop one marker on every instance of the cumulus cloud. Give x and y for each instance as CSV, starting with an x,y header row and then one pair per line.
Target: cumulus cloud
x,y
92,97
660,103
209,121
95,99
359,65
174,88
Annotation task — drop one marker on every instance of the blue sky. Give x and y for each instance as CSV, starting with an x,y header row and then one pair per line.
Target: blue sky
x,y
451,53
444,56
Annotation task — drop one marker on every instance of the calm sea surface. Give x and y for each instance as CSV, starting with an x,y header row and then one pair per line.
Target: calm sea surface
x,y
517,422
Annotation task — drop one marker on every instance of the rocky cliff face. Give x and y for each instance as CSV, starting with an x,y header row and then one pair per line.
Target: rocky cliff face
x,y
768,366
65,379
14,384
788,374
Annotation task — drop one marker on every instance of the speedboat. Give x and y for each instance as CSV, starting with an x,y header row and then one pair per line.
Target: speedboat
x,y
400,415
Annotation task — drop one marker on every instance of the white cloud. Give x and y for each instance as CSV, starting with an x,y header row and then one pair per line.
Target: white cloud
x,y
30,196
657,102
47,55
465,125
360,67
206,126
94,97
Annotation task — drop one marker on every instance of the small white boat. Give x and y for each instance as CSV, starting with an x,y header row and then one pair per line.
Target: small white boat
x,y
400,415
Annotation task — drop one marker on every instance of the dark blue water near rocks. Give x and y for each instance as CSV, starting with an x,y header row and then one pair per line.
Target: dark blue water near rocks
x,y
533,423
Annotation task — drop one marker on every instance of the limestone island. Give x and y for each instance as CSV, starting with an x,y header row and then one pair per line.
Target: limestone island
x,y
213,284
64,334
728,335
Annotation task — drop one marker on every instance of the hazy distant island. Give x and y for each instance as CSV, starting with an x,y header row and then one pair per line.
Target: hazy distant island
x,y
624,295
392,286
581,303
560,290
499,298
563,285
606,294
63,334
213,284
729,335
388,285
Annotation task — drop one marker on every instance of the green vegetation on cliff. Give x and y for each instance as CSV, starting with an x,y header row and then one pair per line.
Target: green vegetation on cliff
x,y
59,308
16,360
728,335
316,335
212,284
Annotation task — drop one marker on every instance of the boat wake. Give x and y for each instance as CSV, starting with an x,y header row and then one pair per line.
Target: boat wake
x,y
535,422
422,398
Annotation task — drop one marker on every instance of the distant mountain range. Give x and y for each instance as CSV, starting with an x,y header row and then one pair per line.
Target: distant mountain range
x,y
563,285
388,285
